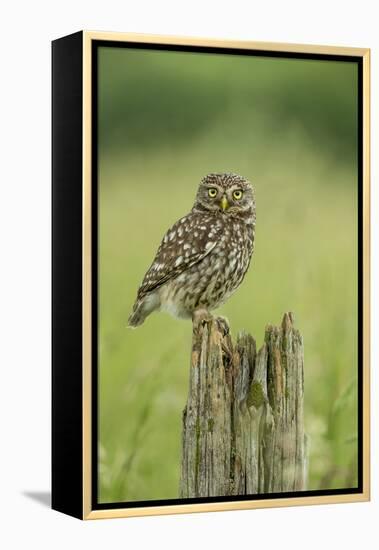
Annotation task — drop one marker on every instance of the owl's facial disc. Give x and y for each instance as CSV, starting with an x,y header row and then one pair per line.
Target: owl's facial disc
x,y
228,194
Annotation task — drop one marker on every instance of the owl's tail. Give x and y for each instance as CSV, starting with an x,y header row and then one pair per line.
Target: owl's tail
x,y
142,308
136,318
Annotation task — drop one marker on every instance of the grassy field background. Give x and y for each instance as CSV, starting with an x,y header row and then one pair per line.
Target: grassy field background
x,y
166,120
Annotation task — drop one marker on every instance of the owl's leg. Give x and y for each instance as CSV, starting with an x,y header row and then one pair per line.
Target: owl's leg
x,y
200,316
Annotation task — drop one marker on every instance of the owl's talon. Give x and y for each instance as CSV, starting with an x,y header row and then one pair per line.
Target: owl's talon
x,y
201,317
223,325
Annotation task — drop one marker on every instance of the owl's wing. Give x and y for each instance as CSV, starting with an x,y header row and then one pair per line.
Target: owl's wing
x,y
185,244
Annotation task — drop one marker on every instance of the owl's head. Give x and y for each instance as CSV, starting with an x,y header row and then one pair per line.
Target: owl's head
x,y
229,194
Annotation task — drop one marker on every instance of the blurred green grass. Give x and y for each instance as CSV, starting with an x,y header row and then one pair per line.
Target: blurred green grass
x,y
305,258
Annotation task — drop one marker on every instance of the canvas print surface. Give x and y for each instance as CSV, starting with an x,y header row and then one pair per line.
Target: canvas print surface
x,y
256,158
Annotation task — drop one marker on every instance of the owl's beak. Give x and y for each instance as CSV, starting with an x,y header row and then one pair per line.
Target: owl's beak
x,y
224,203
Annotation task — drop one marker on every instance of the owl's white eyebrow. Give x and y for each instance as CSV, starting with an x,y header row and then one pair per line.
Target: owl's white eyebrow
x,y
215,186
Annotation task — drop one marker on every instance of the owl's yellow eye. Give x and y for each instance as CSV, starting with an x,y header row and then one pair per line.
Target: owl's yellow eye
x,y
212,192
237,194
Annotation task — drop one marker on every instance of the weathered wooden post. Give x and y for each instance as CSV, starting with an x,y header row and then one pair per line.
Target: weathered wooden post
x,y
243,425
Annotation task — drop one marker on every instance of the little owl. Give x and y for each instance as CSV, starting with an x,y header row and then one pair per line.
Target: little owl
x,y
203,258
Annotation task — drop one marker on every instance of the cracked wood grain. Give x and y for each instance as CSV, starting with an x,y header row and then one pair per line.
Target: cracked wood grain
x,y
243,424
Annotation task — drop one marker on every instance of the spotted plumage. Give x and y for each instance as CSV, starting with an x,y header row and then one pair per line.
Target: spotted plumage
x,y
204,256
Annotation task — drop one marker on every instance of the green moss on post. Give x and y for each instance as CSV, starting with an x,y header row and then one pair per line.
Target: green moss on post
x,y
255,396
